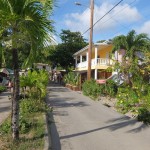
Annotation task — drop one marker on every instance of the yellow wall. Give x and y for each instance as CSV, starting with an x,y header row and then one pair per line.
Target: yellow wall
x,y
102,52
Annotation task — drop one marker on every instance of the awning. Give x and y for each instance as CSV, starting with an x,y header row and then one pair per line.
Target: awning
x,y
6,71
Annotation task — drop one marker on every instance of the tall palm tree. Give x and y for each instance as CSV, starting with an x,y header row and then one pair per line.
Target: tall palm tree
x,y
26,20
131,43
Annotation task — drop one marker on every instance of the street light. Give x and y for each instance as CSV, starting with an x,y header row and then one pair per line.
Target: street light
x,y
91,37
77,3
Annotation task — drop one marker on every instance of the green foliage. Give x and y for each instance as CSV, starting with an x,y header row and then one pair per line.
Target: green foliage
x,y
72,78
35,83
102,89
111,88
32,134
127,99
133,98
91,89
71,43
135,93
5,127
28,106
144,115
24,124
2,88
27,33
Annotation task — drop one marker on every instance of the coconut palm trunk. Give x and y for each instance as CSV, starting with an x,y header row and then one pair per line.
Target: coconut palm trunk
x,y
15,96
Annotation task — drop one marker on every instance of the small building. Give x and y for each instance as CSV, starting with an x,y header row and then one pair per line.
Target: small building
x,y
41,66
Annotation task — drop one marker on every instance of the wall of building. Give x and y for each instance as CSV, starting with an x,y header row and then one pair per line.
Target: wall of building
x,y
102,53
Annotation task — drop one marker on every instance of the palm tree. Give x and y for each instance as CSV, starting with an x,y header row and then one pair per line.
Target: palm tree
x,y
26,20
131,43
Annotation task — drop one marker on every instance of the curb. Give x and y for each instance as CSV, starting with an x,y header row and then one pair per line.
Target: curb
x,y
48,142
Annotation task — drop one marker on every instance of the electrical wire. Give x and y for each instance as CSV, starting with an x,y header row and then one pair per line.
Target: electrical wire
x,y
117,13
103,16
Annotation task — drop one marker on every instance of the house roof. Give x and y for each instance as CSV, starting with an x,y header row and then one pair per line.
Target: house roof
x,y
40,64
94,45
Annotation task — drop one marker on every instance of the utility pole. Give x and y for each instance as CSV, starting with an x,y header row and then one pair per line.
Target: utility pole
x,y
90,40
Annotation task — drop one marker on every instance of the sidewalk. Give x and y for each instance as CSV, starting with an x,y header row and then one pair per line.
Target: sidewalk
x,y
5,106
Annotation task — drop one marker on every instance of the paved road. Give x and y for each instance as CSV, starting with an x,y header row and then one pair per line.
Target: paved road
x,y
82,124
5,106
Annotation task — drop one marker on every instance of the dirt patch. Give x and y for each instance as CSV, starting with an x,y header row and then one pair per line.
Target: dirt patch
x,y
107,101
111,103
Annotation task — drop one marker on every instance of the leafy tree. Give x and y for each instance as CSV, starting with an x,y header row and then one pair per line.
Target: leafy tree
x,y
134,95
71,43
133,44
26,21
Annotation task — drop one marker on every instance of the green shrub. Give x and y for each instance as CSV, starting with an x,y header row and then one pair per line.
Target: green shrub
x,y
28,106
6,126
24,124
91,89
111,88
127,99
34,84
2,88
144,115
102,88
72,78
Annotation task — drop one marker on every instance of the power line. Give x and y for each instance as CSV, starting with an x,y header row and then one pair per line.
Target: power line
x,y
103,16
130,25
117,13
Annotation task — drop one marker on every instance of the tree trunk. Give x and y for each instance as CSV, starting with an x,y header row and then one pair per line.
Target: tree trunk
x,y
15,97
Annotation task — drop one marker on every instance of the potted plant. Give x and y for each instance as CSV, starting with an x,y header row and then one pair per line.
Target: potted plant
x,y
76,80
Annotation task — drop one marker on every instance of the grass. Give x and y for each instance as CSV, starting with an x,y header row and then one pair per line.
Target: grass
x,y
32,140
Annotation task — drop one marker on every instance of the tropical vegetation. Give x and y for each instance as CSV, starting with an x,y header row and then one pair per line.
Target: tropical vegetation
x,y
32,111
63,52
23,24
134,94
2,88
91,88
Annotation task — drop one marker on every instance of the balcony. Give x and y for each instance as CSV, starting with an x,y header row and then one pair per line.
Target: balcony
x,y
100,63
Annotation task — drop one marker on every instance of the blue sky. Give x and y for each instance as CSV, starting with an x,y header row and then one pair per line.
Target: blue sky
x,y
128,15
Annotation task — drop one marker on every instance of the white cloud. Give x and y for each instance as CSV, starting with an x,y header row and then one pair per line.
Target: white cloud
x,y
145,28
122,14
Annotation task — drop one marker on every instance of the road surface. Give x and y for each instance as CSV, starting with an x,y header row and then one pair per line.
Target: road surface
x,y
83,124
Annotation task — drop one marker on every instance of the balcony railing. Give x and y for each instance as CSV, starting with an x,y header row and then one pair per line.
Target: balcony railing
x,y
97,62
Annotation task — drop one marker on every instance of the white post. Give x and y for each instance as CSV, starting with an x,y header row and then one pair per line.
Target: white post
x,y
80,58
87,56
96,51
76,59
95,74
96,55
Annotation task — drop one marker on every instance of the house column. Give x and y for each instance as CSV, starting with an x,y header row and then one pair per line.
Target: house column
x,y
76,59
87,56
96,49
95,74
87,59
80,58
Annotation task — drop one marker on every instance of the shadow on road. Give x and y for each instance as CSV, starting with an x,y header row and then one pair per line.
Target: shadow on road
x,y
5,94
112,127
53,136
4,109
64,102
127,122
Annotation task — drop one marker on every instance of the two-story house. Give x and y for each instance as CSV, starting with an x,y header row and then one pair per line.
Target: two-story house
x,y
100,61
